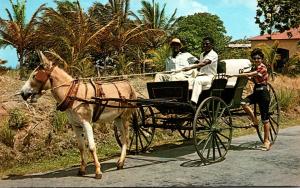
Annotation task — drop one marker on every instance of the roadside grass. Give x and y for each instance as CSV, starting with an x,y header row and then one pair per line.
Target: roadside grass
x,y
69,158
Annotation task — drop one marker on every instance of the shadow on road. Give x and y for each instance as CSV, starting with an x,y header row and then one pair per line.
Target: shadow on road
x,y
160,154
253,145
69,172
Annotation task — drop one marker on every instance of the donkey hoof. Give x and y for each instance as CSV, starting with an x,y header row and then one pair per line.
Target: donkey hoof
x,y
120,166
98,176
81,173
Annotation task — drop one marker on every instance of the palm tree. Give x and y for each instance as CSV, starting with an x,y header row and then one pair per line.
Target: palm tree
x,y
152,17
72,36
17,33
129,38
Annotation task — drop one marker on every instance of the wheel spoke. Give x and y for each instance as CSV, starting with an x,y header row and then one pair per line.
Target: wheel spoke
x,y
145,136
213,146
221,141
140,138
208,122
201,140
224,135
209,146
208,112
218,147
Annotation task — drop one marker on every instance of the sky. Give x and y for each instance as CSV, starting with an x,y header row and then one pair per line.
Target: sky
x,y
237,16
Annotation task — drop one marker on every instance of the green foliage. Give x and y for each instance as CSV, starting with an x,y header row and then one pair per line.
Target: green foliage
x,y
193,28
17,119
158,57
18,33
7,135
235,53
277,14
292,67
59,120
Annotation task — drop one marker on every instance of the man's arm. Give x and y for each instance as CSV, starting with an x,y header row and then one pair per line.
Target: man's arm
x,y
197,65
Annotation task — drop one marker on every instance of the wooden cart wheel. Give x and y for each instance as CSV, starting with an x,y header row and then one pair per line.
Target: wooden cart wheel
x,y
274,111
186,131
141,130
212,130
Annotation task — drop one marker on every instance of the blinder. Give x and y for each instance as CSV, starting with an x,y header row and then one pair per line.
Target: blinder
x,y
42,76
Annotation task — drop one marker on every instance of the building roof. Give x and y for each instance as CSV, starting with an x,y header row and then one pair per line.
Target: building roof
x,y
239,45
291,34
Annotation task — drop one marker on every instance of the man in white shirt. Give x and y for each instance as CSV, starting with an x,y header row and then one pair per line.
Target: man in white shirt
x,y
208,69
176,62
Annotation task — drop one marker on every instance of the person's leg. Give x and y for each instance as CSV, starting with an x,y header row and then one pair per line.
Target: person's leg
x,y
267,143
249,111
160,77
178,77
199,82
251,99
264,103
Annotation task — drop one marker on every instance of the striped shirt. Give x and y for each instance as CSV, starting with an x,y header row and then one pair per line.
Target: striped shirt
x,y
262,74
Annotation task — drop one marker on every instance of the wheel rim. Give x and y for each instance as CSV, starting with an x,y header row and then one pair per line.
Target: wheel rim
x,y
141,130
274,113
212,130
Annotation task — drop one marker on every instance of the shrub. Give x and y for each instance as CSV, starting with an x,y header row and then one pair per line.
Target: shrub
x,y
59,120
7,135
287,98
17,119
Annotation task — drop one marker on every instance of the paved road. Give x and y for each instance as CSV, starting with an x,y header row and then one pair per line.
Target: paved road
x,y
244,166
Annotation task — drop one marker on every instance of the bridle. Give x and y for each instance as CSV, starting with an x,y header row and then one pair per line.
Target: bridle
x,y
43,75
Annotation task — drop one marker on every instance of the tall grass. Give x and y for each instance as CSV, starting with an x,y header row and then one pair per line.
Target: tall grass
x,y
288,91
287,98
17,119
7,135
58,121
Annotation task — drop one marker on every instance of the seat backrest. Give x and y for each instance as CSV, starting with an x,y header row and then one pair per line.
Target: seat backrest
x,y
221,67
217,87
175,90
233,96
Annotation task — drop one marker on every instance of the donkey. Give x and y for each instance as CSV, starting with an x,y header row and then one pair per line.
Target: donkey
x,y
81,114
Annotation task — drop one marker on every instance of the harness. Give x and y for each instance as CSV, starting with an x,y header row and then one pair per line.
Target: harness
x,y
43,75
68,100
99,93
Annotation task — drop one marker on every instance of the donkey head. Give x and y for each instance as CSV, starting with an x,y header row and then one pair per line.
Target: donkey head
x,y
39,79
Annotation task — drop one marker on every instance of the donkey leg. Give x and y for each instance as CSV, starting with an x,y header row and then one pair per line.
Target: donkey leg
x,y
123,126
92,147
81,146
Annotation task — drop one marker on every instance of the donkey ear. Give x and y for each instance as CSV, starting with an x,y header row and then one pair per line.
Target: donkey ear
x,y
44,60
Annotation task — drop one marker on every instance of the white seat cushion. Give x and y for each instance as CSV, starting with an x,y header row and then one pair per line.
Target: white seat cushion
x,y
233,66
